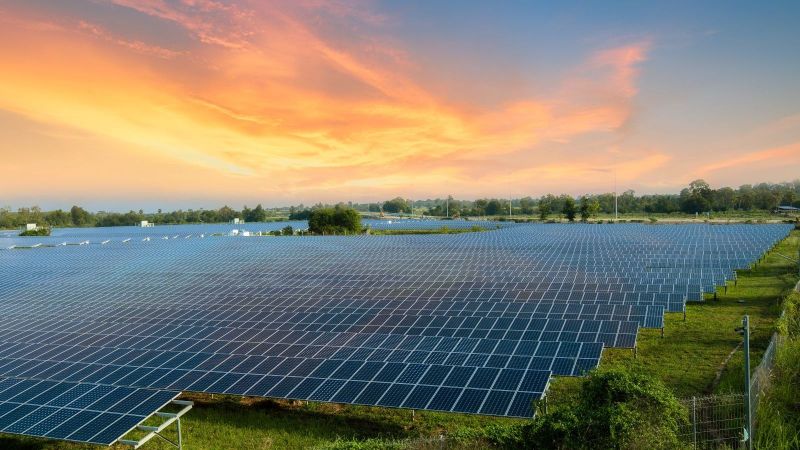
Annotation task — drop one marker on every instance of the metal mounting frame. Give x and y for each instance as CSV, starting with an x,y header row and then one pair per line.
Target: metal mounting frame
x,y
156,431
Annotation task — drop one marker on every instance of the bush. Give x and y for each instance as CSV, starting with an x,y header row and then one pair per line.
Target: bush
x,y
338,220
614,409
287,230
41,231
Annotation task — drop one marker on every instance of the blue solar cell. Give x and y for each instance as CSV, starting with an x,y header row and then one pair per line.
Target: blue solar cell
x,y
419,397
470,401
372,393
349,392
444,399
395,395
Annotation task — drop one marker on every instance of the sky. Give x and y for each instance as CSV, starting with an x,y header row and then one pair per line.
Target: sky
x,y
128,104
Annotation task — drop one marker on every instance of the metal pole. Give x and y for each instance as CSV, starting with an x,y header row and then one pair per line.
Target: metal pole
x,y
694,420
748,405
615,196
180,441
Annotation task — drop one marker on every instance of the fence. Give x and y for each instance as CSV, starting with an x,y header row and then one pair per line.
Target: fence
x,y
718,421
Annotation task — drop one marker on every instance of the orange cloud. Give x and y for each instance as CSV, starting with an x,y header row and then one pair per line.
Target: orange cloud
x,y
261,95
788,154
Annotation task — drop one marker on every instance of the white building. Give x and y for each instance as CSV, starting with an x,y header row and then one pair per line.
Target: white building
x,y
31,227
145,224
237,221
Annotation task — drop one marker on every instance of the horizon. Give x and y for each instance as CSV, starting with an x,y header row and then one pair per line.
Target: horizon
x,y
156,210
123,105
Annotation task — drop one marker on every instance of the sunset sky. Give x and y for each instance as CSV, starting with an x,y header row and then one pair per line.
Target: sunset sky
x,y
120,104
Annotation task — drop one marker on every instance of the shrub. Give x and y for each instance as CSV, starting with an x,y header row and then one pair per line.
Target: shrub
x,y
614,409
41,231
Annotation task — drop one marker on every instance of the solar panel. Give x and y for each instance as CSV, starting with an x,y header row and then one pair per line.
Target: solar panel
x,y
473,322
78,412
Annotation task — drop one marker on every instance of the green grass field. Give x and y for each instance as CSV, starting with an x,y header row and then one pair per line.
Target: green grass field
x,y
689,358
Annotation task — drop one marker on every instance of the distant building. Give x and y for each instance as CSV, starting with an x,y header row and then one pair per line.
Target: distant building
x,y
237,221
31,227
145,224
786,210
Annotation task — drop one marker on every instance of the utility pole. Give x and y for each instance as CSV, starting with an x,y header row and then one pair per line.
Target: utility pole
x,y
615,196
748,431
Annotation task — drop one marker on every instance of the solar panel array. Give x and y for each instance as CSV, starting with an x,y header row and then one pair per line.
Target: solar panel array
x,y
80,412
474,322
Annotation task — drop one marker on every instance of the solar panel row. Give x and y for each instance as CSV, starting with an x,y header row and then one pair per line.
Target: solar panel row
x,y
474,322
78,412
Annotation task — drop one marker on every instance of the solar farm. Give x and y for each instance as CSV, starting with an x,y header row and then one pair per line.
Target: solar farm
x,y
101,329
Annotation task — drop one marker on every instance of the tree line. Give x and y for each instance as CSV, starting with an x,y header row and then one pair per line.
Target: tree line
x,y
698,197
79,217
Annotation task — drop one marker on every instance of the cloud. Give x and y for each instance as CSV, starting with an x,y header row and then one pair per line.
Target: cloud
x,y
137,46
270,96
787,154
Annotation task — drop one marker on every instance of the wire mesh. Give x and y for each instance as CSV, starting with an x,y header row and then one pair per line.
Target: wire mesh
x,y
715,421
718,421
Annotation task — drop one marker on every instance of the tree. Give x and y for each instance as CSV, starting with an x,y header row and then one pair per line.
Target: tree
x,y
396,205
584,209
526,205
594,208
480,207
80,217
337,220
724,199
256,214
697,197
58,218
494,207
225,214
545,209
569,209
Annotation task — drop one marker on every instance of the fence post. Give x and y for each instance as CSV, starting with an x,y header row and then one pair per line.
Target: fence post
x,y
694,421
748,404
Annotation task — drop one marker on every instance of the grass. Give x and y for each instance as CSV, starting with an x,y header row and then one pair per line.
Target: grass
x,y
442,230
778,416
688,359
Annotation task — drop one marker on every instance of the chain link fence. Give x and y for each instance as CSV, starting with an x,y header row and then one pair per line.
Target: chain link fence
x,y
718,421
